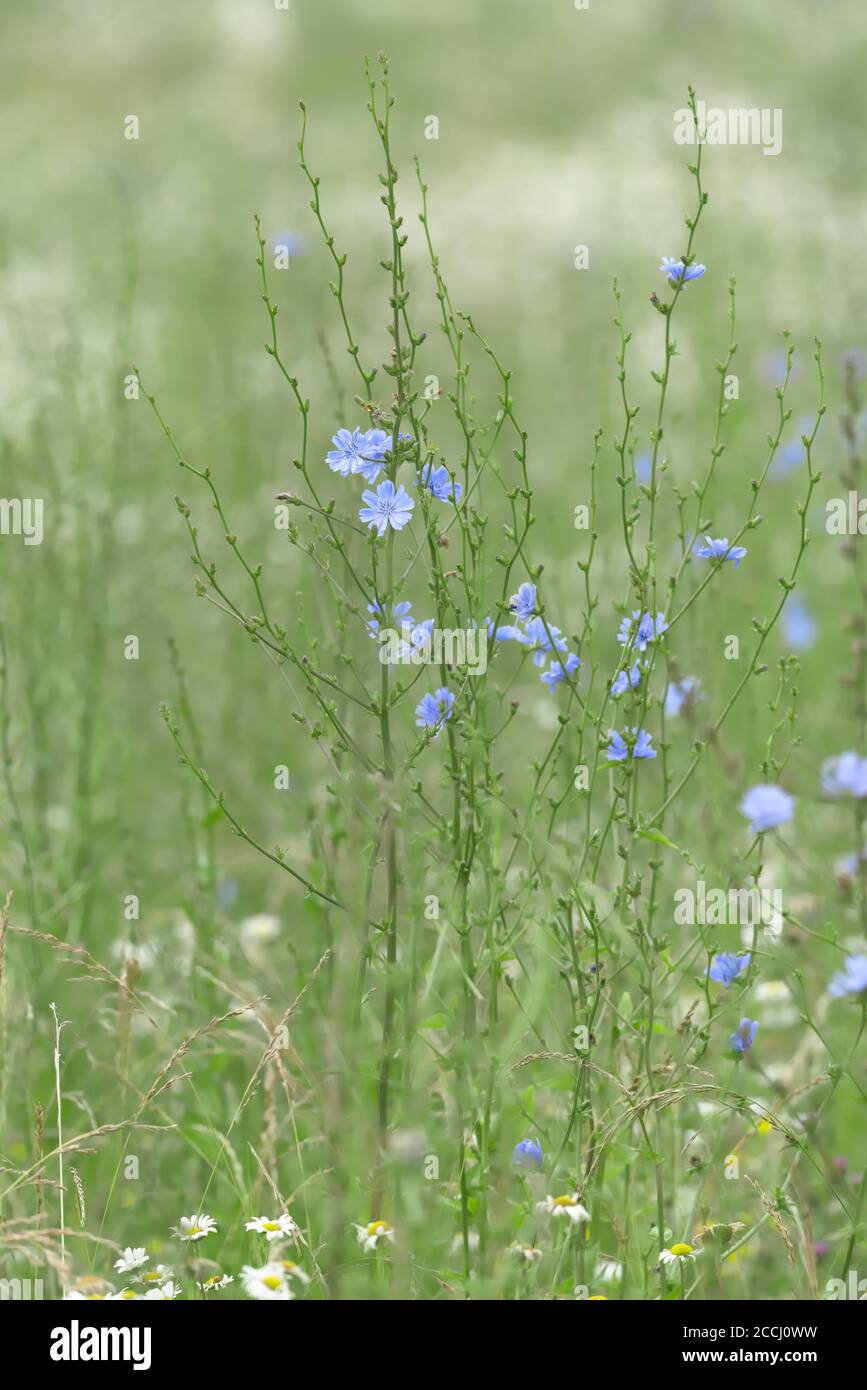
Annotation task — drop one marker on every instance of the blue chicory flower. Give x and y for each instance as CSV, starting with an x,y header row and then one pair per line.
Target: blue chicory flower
x,y
852,980
643,467
439,483
421,633
358,451
641,629
767,806
289,242
720,550
626,680
619,750
799,626
523,603
845,775
557,672
433,710
398,613
527,1154
536,636
388,506
793,453
790,457
680,693
743,1038
678,273
850,865
727,967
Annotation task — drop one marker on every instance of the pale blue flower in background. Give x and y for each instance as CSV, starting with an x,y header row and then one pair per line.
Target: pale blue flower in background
x,y
745,1035
851,980
767,806
680,693
790,457
799,625
845,775
793,453
290,243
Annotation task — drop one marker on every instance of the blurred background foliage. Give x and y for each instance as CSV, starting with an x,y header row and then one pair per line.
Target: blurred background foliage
x,y
555,129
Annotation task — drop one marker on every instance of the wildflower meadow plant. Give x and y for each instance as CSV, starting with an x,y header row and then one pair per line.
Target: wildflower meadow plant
x,y
452,1023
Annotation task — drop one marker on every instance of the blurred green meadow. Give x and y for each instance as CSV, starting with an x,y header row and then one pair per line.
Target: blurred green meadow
x,y
141,916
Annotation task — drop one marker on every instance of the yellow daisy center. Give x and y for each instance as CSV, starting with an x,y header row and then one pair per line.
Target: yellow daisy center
x,y
681,1249
564,1201
272,1281
378,1228
288,1265
270,1225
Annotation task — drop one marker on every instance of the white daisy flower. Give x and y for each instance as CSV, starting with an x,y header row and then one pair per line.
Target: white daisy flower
x,y
269,1282
569,1205
370,1235
194,1227
90,1286
216,1281
678,1254
132,1258
168,1291
293,1271
258,930
159,1275
273,1230
528,1253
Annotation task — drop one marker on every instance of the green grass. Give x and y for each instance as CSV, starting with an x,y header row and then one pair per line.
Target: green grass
x,y
413,1015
